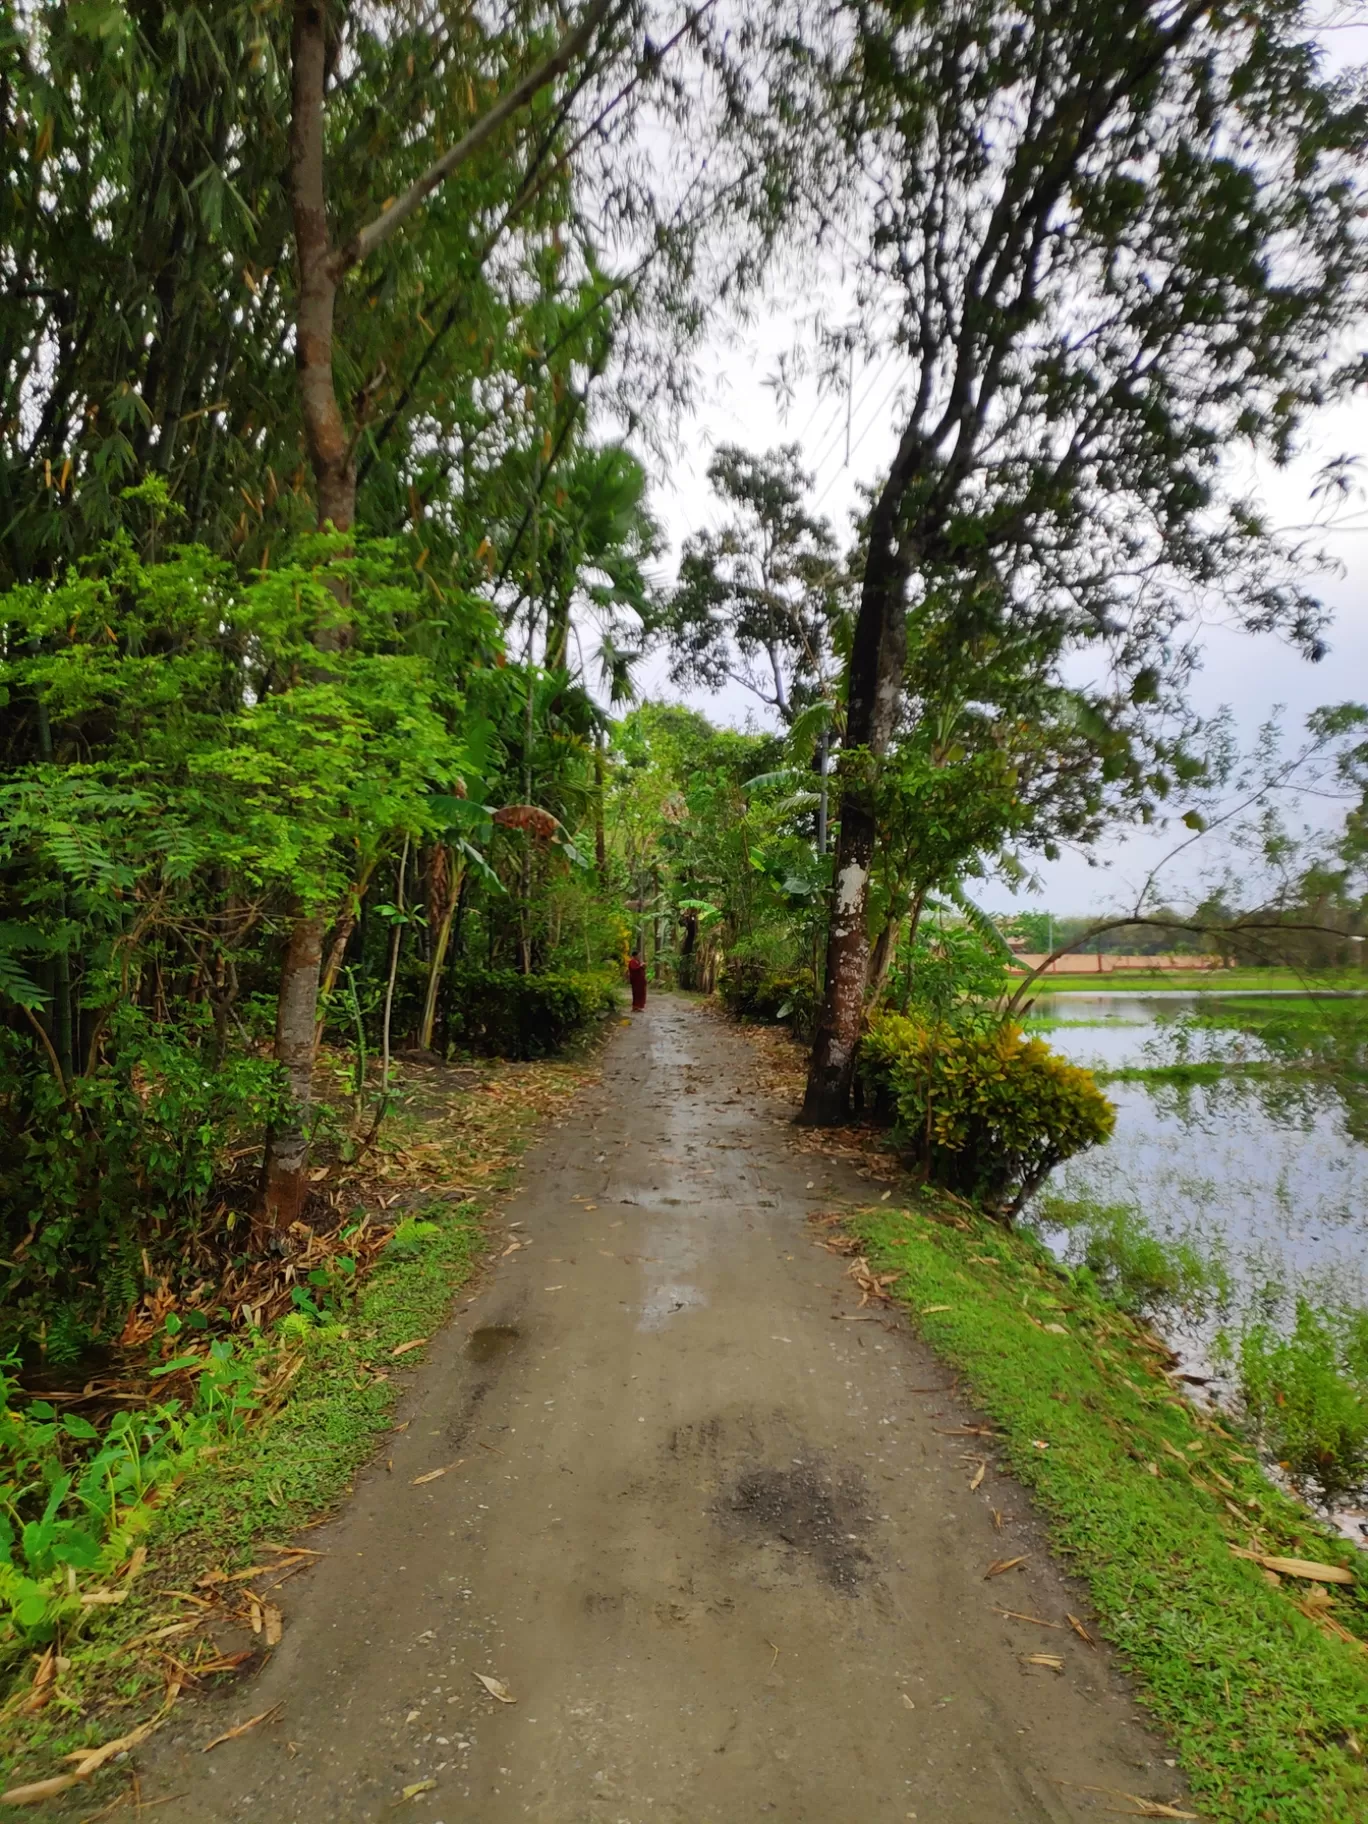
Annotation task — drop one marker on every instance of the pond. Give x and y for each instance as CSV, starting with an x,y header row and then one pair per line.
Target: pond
x,y
1241,1138
1242,1122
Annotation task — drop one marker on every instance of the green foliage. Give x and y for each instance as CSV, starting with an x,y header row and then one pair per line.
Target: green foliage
x,y
129,1148
1113,1249
754,991
1307,1392
951,974
505,1014
985,1114
75,1499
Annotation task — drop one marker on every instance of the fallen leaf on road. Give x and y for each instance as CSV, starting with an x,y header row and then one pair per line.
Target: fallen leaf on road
x,y
404,1348
411,1792
553,1288
908,1701
231,1735
496,1688
433,1474
274,1623
1003,1564
1297,1567
1052,1660
1016,1615
1081,1631
1148,1808
979,1474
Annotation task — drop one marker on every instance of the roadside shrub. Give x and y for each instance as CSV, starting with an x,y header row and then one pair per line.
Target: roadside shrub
x,y
753,990
507,1015
987,1115
92,1171
1307,1392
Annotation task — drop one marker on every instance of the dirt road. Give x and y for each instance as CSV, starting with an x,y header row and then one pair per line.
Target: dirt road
x,y
704,1530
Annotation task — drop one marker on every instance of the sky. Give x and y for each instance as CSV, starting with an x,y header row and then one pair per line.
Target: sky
x,y
848,440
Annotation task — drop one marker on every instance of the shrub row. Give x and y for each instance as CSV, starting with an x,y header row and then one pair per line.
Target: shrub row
x,y
752,990
501,1013
985,1114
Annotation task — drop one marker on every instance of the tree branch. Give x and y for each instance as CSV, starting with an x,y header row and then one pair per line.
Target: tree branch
x,y
374,234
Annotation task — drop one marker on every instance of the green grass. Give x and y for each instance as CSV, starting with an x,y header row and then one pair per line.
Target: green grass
x,y
1189,981
1268,1712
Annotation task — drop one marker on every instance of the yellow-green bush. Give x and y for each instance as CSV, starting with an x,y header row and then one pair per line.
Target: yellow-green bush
x,y
987,1115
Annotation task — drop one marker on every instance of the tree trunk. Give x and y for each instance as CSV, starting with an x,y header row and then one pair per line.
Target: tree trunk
x,y
445,909
330,449
600,838
337,949
284,1176
876,667
330,455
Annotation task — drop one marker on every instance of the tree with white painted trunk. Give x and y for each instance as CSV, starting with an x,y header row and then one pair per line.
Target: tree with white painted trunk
x,y
1117,243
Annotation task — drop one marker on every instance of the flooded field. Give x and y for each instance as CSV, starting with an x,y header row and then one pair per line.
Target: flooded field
x,y
1241,1149
1242,1123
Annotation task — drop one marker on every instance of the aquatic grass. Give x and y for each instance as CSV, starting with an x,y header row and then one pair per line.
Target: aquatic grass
x,y
1307,1392
1137,1270
1145,1496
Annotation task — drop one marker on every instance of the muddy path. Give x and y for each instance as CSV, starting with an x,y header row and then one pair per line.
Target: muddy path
x,y
716,1541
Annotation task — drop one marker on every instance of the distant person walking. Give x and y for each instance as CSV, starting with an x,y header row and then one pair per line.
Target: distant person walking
x,y
636,974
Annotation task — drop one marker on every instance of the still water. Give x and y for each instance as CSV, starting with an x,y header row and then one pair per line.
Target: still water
x,y
1268,1170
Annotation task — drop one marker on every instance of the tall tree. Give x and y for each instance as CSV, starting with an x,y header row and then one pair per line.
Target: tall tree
x,y
756,600
1117,242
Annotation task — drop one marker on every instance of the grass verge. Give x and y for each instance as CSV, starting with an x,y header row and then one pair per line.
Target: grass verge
x,y
1263,1690
294,1465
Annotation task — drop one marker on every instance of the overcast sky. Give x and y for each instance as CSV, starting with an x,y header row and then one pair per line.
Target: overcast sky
x,y
848,440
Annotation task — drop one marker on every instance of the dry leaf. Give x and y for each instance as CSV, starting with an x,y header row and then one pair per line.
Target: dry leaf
x,y
1297,1567
1052,1660
404,1348
926,1310
1081,1631
255,1611
979,1474
89,1760
908,1701
1148,1808
1004,1564
230,1735
496,1688
433,1474
275,1623
1016,1615
411,1792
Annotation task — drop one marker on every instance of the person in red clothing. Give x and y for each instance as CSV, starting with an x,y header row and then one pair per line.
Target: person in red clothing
x,y
636,974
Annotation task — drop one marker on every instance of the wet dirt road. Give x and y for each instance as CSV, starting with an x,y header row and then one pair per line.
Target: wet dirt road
x,y
703,1530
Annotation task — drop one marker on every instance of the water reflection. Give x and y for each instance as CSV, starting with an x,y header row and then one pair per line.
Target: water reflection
x,y
1267,1163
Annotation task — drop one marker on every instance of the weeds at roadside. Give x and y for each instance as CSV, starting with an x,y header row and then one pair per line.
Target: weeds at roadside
x,y
281,1465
